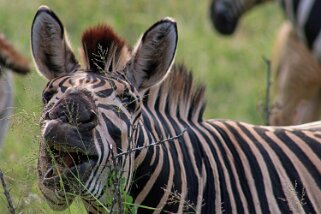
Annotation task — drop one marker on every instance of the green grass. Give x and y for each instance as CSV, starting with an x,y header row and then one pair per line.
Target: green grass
x,y
232,68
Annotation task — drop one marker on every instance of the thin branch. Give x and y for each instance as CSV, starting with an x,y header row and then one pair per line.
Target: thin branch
x,y
119,174
149,145
7,194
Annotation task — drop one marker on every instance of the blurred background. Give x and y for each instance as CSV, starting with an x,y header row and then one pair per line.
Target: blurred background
x,y
232,68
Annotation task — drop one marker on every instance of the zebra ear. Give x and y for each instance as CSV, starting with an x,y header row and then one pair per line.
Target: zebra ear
x,y
50,48
154,54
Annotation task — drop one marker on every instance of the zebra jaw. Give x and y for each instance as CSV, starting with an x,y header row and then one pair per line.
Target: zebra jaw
x,y
67,161
68,168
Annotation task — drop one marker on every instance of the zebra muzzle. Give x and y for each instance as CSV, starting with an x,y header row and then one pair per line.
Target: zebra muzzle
x,y
66,137
223,21
70,156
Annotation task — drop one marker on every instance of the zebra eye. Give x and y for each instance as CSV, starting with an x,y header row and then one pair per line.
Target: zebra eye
x,y
129,102
47,95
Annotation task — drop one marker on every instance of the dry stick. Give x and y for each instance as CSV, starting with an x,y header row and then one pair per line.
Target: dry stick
x,y
120,175
117,198
119,172
152,144
7,194
267,91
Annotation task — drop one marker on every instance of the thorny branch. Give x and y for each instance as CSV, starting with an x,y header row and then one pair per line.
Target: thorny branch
x,y
149,145
7,194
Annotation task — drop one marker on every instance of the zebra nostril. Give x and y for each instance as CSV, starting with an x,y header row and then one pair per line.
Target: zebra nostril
x,y
91,118
75,109
83,120
57,114
47,116
89,122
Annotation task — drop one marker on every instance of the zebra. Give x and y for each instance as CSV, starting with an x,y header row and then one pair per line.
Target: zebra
x,y
304,15
296,51
10,59
225,14
133,108
296,82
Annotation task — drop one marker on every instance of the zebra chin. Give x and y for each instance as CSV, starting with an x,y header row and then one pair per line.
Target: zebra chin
x,y
68,180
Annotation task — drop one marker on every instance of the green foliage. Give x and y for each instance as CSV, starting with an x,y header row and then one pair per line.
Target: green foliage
x,y
118,199
232,68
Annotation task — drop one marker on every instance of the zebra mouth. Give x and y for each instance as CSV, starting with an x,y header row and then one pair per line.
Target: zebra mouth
x,y
66,161
72,169
67,156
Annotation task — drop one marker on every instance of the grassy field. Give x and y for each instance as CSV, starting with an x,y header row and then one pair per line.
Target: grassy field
x,y
232,68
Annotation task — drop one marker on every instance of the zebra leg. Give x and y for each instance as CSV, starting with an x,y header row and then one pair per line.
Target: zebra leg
x,y
5,103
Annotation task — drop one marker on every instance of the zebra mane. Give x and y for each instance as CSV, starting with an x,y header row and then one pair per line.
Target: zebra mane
x,y
103,49
178,95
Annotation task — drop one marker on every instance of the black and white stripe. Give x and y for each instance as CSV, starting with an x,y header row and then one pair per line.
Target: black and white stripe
x,y
304,15
216,165
177,161
226,166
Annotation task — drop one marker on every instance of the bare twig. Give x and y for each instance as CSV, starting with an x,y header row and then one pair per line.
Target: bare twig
x,y
267,91
149,145
7,194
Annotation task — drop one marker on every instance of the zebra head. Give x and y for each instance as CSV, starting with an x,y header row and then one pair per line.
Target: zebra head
x,y
225,14
90,111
